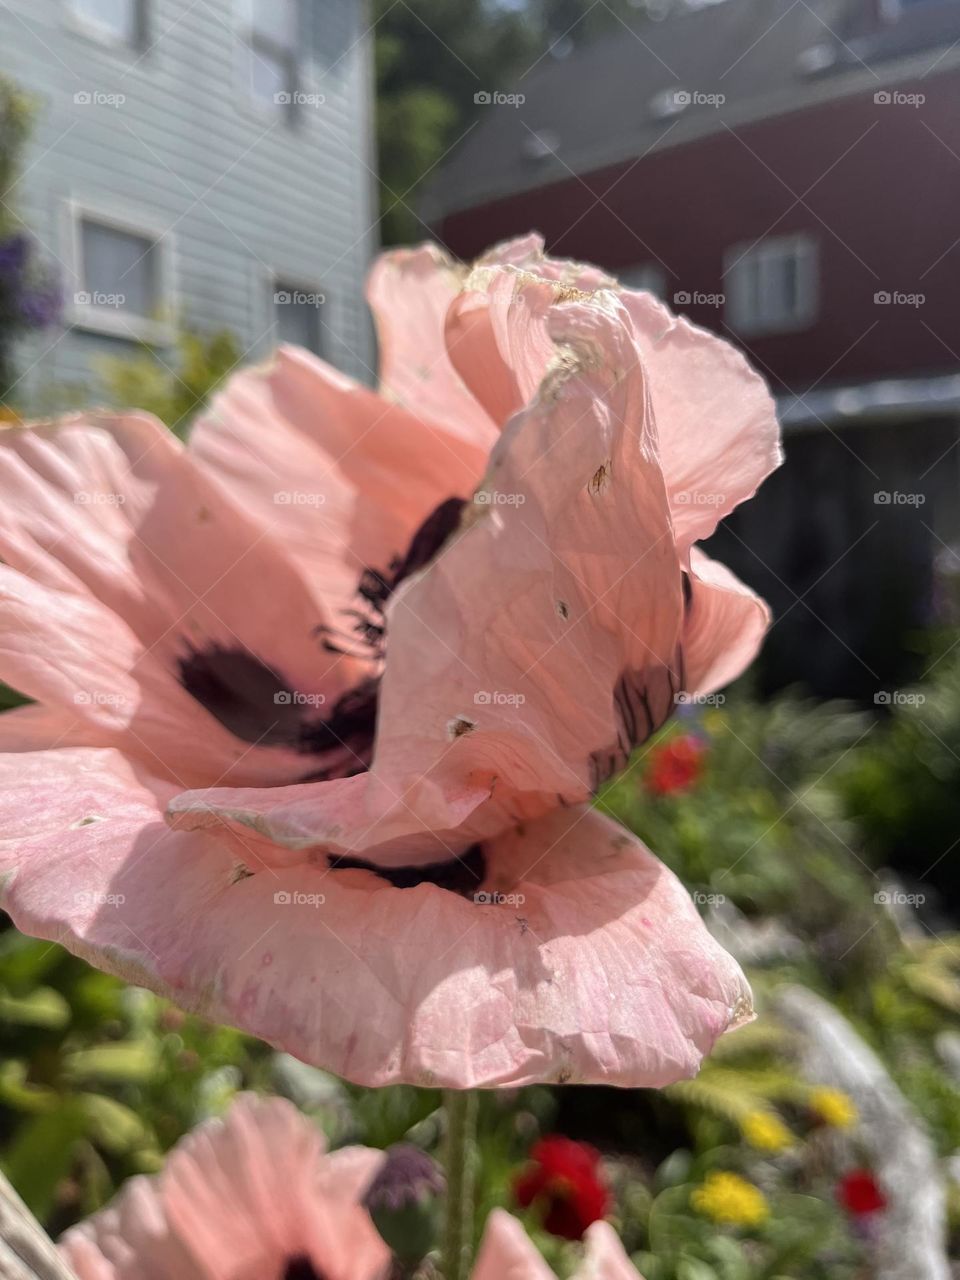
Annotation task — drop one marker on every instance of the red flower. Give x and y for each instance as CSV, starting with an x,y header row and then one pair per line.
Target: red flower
x,y
859,1193
675,765
564,1181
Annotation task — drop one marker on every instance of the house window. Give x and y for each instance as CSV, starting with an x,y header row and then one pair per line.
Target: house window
x,y
112,21
120,273
649,276
272,44
298,316
772,285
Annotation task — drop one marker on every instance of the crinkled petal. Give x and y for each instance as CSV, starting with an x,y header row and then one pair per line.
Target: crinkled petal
x,y
717,423
498,337
526,252
538,647
409,291
342,476
724,626
581,958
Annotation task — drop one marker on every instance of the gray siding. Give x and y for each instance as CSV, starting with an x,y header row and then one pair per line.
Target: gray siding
x,y
238,194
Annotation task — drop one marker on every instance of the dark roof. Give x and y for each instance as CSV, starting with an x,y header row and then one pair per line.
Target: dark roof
x,y
615,98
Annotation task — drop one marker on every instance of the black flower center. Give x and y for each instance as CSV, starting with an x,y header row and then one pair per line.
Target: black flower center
x,y
300,1268
256,703
461,874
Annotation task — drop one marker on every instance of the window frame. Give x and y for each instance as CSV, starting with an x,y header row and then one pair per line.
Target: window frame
x,y
803,247
645,274
277,281
114,321
250,40
88,27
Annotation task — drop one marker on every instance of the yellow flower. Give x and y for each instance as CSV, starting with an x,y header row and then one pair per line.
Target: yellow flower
x,y
834,1107
766,1131
727,1198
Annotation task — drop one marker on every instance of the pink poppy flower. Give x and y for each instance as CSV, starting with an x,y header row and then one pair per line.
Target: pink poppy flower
x,y
251,1196
507,1253
321,699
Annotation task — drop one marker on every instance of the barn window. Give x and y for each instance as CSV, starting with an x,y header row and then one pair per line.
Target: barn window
x,y
771,285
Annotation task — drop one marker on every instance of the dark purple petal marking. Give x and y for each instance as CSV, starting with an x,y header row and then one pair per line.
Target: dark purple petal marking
x,y
462,875
300,1268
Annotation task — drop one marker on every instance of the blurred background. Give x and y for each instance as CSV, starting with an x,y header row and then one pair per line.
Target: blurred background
x,y
186,183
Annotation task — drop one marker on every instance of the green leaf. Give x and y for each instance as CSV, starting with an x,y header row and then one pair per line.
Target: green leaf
x,y
41,1155
19,1095
112,1125
695,1269
43,1007
124,1062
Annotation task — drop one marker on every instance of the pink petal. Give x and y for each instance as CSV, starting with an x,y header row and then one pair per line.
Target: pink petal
x,y
101,600
99,684
114,507
526,252
409,292
600,970
717,424
498,337
507,1252
538,647
604,1256
341,476
237,1199
716,421
130,1240
724,627
348,1172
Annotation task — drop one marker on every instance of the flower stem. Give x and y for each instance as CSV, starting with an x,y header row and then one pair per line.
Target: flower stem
x,y
460,1165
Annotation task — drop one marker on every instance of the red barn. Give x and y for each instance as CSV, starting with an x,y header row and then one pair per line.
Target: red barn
x,y
786,172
